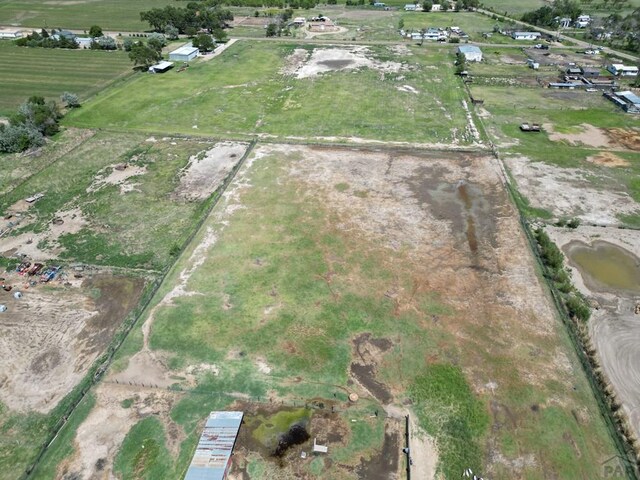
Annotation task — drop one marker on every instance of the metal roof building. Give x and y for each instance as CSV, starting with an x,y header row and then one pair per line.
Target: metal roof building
x,y
213,454
184,53
627,100
471,53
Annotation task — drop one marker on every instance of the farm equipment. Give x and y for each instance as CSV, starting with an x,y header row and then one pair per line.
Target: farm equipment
x,y
35,269
23,267
49,274
530,127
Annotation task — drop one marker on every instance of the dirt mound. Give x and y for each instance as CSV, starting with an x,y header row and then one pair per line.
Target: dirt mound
x,y
627,137
608,159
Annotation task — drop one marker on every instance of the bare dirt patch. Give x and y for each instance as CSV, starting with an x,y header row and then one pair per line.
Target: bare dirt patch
x,y
627,137
99,437
567,192
51,335
206,170
589,136
118,175
608,159
44,246
323,60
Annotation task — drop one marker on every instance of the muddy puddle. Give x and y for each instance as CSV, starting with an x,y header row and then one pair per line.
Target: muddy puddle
x,y
336,64
605,266
463,204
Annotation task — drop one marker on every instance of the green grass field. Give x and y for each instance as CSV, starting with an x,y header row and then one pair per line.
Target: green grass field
x,y
243,92
50,72
113,15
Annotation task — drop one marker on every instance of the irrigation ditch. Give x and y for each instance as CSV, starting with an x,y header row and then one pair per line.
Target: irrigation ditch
x,y
71,402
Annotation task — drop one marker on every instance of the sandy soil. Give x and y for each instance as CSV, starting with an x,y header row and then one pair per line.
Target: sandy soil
x,y
567,192
205,171
50,336
589,136
118,175
614,327
43,246
324,60
608,159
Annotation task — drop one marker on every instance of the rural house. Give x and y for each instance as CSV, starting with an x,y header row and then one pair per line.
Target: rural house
x,y
471,53
619,69
526,35
411,7
184,54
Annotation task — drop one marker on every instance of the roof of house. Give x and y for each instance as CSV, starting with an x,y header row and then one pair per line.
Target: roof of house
x,y
469,49
526,33
161,65
629,96
187,49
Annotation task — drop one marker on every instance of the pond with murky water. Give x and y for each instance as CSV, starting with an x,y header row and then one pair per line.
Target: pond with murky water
x,y
605,266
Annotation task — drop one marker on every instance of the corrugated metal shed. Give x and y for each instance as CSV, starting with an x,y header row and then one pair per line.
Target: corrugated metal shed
x,y
213,454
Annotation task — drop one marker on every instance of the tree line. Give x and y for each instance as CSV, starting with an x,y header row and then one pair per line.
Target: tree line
x,y
34,120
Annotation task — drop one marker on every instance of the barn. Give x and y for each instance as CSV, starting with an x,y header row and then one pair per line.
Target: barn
x,y
184,54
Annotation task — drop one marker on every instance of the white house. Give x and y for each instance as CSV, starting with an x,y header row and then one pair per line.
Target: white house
x,y
184,54
583,21
411,7
564,22
526,35
84,42
623,70
10,34
471,53
436,7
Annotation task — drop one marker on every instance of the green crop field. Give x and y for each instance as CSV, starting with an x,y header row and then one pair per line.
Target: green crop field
x,y
244,92
50,72
113,15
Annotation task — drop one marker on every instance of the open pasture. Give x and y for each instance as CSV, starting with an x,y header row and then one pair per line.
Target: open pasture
x,y
330,93
585,162
118,200
113,15
50,72
401,276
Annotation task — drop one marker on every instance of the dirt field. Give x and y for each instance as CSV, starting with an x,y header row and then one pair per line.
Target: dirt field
x,y
439,224
566,192
614,325
302,65
51,336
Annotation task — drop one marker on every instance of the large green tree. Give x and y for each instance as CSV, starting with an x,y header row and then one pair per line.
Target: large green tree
x,y
143,55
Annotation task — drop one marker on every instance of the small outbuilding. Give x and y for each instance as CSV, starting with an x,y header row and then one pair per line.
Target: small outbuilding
x,y
10,34
185,53
471,53
212,457
526,35
627,100
160,67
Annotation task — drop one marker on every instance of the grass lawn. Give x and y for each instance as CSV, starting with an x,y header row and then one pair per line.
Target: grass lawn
x,y
114,15
243,92
50,72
